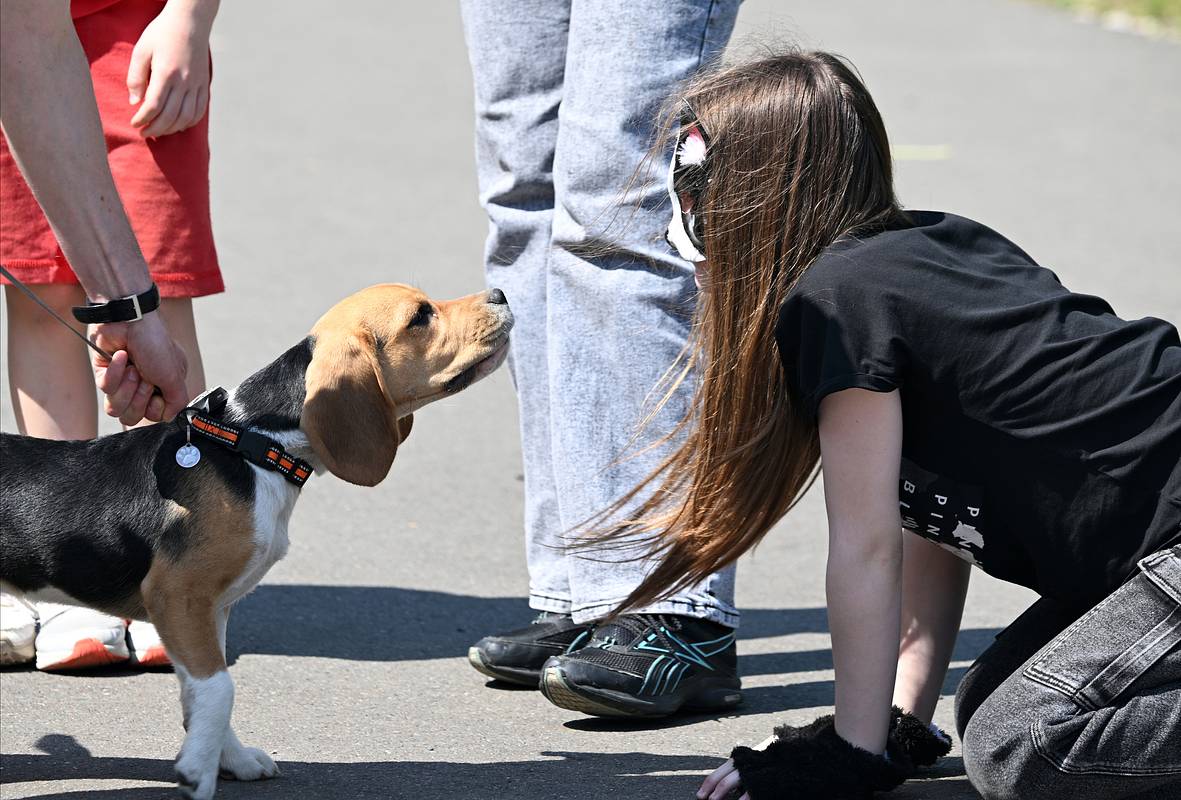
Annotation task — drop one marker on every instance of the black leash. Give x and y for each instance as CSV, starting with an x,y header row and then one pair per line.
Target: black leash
x,y
33,296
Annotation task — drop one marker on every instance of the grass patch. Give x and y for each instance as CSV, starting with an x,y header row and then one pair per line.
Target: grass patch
x,y
1165,12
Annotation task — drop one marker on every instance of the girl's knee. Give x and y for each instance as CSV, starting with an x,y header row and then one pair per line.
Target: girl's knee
x,y
1000,758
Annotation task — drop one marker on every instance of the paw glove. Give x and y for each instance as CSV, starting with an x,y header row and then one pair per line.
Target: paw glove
x,y
916,741
815,762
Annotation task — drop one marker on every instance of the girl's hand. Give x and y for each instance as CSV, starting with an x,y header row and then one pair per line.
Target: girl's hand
x,y
725,780
722,783
169,68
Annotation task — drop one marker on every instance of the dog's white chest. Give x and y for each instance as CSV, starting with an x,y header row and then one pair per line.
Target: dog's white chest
x,y
274,499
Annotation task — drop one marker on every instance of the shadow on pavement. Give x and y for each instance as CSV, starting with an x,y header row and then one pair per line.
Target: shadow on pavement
x,y
379,623
970,643
559,774
562,774
811,694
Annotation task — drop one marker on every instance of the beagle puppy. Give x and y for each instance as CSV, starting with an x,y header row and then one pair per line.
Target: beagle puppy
x,y
138,526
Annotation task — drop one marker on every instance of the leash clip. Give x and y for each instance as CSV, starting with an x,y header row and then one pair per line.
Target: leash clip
x,y
189,455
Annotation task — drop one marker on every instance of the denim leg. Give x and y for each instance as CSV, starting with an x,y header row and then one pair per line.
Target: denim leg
x,y
1096,712
517,50
619,302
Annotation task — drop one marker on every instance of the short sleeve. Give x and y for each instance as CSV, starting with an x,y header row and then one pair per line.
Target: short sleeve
x,y
836,333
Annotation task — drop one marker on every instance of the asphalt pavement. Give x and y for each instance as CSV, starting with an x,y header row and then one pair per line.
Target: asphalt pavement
x,y
343,156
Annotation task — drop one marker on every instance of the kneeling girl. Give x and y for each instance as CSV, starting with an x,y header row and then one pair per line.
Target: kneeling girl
x,y
944,384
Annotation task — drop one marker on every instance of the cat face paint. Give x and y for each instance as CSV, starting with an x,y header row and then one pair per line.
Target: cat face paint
x,y
687,178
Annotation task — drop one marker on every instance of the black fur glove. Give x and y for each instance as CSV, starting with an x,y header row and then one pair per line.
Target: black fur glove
x,y
920,743
813,762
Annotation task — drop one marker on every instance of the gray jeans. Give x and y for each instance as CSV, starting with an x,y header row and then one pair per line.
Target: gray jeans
x,y
1086,708
567,92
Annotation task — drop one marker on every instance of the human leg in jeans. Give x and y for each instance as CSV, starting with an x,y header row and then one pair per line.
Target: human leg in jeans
x,y
565,105
1088,709
518,56
618,310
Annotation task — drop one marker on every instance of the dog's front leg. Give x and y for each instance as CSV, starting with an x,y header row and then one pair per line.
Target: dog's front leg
x,y
188,626
237,760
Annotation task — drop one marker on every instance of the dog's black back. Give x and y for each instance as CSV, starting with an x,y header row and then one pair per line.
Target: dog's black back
x,y
87,517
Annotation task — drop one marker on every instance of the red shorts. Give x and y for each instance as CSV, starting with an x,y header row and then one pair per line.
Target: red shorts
x,y
164,183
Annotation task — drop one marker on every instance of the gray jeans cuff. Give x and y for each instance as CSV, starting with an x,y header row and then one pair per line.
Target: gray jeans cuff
x,y
539,601
714,612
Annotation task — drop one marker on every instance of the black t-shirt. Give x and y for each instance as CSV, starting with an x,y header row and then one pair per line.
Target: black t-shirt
x,y
1041,432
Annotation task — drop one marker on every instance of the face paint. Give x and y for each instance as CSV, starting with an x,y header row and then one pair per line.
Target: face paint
x,y
677,235
687,178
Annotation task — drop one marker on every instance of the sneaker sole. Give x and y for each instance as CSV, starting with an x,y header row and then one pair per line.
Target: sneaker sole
x,y
87,653
605,703
12,653
152,658
520,677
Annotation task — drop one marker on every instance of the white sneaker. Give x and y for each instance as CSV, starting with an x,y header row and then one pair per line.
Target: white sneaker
x,y
146,648
72,637
18,629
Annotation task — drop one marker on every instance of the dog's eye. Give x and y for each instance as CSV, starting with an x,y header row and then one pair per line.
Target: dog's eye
x,y
422,316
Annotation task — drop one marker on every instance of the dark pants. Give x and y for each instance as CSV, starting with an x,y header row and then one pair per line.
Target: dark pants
x,y
1082,708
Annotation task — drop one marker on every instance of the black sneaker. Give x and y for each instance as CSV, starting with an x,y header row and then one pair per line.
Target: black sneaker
x,y
647,665
517,656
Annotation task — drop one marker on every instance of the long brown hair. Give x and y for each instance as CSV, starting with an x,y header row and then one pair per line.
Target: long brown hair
x,y
798,157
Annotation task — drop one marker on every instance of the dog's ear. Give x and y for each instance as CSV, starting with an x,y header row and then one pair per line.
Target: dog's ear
x,y
404,426
348,416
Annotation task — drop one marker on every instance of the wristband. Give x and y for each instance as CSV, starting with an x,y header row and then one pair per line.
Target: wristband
x,y
125,309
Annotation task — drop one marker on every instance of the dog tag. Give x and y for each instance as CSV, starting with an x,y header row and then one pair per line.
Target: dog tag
x,y
188,456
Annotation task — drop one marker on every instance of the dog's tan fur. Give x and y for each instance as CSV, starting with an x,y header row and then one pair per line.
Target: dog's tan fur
x,y
370,369
182,597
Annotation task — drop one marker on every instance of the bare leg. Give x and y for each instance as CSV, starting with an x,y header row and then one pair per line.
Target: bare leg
x,y
177,313
53,394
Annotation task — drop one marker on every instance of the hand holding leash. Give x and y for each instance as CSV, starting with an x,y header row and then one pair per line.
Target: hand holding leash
x,y
153,387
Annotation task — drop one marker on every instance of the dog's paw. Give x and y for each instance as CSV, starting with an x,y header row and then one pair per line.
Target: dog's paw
x,y
195,782
247,764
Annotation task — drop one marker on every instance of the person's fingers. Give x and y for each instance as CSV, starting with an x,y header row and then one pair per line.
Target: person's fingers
x,y
174,393
729,784
109,374
202,103
187,117
118,400
138,404
138,73
714,778
166,119
154,100
174,403
155,411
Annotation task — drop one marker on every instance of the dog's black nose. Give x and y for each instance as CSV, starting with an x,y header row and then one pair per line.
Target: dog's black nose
x,y
496,297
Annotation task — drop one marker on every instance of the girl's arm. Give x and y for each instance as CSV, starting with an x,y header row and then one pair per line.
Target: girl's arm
x,y
861,451
934,583
169,68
